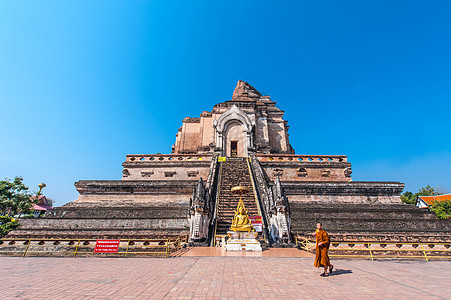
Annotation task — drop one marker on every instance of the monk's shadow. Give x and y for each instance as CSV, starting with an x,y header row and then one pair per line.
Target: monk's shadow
x,y
340,272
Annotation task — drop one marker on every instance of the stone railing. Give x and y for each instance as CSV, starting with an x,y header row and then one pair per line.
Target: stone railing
x,y
166,157
213,176
302,158
263,192
262,187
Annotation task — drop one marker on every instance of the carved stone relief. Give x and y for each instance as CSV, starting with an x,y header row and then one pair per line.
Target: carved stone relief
x,y
192,173
301,172
277,172
325,173
348,172
146,173
169,173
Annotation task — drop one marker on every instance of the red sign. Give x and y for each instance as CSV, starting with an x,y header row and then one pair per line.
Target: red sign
x,y
107,246
256,222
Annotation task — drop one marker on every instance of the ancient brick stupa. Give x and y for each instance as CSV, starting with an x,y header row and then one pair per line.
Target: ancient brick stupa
x,y
243,141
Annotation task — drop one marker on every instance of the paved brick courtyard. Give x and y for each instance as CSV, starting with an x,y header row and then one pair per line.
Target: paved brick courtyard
x,y
219,277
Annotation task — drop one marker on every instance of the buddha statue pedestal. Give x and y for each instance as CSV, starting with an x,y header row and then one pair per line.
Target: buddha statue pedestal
x,y
242,234
243,241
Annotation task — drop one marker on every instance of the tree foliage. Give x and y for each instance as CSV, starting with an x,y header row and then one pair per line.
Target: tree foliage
x,y
7,224
411,198
15,197
442,209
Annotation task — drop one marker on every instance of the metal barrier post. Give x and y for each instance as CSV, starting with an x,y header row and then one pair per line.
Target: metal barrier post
x,y
26,249
126,250
371,252
307,244
424,252
167,248
76,248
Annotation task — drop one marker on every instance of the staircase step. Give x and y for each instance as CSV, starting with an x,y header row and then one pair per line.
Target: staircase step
x,y
234,172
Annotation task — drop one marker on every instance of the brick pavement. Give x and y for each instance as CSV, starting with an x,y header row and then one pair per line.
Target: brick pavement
x,y
219,277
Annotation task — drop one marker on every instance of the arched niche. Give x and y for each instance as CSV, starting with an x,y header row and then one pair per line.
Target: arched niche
x,y
234,140
234,125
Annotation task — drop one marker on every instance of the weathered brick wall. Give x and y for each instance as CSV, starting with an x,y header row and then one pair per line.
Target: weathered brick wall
x,y
330,198
343,192
92,210
305,168
88,220
166,167
367,218
100,224
130,193
191,134
101,227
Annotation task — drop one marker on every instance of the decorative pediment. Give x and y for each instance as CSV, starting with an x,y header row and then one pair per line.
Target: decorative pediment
x,y
234,114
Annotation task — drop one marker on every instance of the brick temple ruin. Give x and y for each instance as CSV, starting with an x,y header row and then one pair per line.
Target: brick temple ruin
x,y
243,141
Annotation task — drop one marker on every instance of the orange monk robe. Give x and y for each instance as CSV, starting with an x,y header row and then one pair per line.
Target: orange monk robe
x,y
322,259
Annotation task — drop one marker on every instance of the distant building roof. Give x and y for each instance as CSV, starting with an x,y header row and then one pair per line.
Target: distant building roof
x,y
42,202
41,207
439,198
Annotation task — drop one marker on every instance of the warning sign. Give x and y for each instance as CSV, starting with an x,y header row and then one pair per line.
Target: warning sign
x,y
221,159
107,246
257,223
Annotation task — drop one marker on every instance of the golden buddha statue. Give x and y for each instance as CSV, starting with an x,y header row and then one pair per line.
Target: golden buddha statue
x,y
241,221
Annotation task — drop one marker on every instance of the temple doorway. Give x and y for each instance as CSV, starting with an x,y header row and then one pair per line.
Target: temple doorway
x,y
234,140
233,148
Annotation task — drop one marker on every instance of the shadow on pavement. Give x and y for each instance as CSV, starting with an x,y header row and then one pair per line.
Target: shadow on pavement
x,y
340,272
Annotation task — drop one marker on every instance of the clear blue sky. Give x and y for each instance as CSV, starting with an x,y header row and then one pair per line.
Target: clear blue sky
x,y
83,83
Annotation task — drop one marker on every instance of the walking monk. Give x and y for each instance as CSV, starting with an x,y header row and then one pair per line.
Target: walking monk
x,y
322,246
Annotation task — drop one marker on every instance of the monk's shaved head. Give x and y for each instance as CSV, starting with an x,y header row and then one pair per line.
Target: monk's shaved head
x,y
319,225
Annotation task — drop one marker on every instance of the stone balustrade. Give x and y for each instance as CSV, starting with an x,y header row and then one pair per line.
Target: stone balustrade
x,y
302,158
166,157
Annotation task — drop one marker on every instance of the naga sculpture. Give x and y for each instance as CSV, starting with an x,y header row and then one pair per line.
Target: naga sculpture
x,y
200,212
280,221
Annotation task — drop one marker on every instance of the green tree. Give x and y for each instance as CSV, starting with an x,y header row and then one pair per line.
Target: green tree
x,y
50,201
427,191
7,224
410,198
15,198
442,209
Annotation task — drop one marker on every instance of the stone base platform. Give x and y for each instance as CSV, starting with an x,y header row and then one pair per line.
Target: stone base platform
x,y
243,241
270,252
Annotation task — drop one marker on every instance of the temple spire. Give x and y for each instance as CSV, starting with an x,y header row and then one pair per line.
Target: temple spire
x,y
244,90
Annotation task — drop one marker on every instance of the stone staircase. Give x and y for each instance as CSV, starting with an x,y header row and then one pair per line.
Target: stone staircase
x,y
234,172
